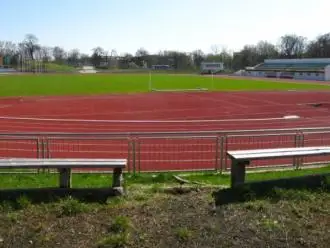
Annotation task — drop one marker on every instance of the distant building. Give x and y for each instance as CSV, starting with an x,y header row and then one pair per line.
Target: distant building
x,y
211,67
303,69
160,67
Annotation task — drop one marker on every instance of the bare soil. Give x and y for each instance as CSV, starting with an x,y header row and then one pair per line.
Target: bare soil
x,y
176,219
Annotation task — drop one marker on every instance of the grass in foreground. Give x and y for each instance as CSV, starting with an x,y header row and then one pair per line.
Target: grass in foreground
x,y
146,179
146,219
32,85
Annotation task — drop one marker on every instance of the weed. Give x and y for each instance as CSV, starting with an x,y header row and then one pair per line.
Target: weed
x,y
71,207
13,217
121,224
6,206
183,233
258,205
293,195
23,202
140,197
116,201
269,224
119,240
156,188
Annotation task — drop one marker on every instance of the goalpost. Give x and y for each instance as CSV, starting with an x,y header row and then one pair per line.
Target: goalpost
x,y
154,87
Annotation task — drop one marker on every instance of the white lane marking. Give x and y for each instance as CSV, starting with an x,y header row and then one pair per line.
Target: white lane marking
x,y
146,121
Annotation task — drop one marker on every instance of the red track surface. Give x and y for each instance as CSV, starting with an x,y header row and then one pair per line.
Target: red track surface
x,y
159,112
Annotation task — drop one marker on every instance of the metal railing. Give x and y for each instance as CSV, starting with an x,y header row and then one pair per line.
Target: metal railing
x,y
166,151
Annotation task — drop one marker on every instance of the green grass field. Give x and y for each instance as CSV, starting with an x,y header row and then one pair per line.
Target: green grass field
x,y
82,180
77,84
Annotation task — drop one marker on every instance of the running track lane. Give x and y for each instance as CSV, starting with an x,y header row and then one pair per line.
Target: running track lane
x,y
162,112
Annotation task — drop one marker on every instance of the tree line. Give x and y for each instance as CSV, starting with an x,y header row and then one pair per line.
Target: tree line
x,y
289,46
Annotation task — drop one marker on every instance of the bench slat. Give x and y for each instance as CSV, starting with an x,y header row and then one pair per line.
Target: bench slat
x,y
279,149
279,153
61,163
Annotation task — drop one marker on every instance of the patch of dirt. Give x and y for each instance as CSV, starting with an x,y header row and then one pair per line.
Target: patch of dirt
x,y
172,220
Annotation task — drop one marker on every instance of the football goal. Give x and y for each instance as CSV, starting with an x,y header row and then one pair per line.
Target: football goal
x,y
159,82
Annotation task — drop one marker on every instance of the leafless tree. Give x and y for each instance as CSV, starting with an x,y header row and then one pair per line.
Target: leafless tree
x,y
292,46
30,45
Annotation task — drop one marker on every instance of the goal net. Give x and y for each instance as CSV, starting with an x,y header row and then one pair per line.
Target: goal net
x,y
177,83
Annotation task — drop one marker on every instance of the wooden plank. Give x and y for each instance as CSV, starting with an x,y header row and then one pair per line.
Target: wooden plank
x,y
43,160
281,155
265,153
62,163
279,149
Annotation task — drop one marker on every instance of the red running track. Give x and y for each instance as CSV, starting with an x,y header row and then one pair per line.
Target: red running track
x,y
161,112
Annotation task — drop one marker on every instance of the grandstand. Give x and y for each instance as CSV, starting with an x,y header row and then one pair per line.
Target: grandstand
x,y
306,69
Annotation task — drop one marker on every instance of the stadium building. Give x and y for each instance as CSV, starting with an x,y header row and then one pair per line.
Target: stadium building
x,y
301,69
211,67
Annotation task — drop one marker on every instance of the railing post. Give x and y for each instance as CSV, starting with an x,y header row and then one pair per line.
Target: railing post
x,y
301,144
44,152
48,155
219,159
134,156
138,154
225,149
38,148
129,145
216,154
41,151
222,153
296,144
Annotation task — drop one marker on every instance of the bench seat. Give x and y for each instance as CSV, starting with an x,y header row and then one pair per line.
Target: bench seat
x,y
241,158
278,153
64,167
31,163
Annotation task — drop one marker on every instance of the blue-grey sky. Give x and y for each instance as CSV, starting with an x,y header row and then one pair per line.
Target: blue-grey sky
x,y
183,25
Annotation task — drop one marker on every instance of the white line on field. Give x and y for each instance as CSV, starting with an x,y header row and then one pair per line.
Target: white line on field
x,y
147,121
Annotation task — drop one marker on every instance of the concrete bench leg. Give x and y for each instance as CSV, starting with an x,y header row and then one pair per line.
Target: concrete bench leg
x,y
65,178
238,172
118,179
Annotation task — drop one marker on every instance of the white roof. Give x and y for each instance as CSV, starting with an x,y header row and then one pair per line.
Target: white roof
x,y
312,60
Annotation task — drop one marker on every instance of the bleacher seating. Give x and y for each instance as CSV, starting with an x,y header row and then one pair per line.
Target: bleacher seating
x,y
295,66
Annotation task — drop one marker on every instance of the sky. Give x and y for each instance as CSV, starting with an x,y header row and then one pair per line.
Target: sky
x,y
182,25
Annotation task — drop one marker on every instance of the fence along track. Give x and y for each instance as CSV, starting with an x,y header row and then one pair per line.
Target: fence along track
x,y
165,151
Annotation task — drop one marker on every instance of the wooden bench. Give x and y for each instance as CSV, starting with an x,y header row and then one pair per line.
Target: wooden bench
x,y
64,166
239,159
